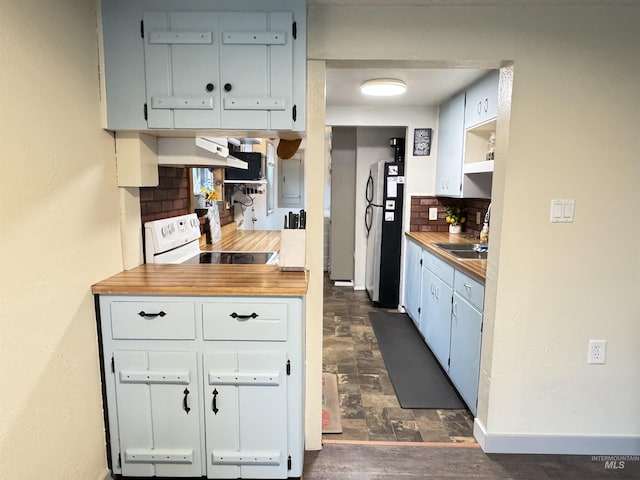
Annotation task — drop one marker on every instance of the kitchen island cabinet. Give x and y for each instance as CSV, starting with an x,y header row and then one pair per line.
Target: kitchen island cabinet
x,y
203,384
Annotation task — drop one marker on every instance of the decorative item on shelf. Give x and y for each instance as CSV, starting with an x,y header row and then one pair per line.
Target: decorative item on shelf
x,y
210,196
456,216
491,144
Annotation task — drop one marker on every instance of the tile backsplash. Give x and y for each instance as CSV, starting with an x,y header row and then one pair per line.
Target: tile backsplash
x,y
172,197
420,213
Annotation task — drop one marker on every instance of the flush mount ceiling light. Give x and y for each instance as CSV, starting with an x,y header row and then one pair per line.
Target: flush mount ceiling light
x,y
383,87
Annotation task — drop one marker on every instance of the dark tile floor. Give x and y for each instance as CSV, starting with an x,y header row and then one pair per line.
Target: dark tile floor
x,y
369,407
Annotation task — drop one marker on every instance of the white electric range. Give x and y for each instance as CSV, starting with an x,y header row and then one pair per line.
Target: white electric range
x,y
177,240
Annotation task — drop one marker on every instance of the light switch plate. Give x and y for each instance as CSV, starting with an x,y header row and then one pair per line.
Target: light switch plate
x,y
433,213
561,211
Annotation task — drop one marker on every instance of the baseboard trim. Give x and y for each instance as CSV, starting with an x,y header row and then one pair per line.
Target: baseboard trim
x,y
106,475
555,444
343,283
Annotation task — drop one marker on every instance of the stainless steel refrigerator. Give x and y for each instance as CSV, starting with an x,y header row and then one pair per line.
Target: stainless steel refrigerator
x,y
383,220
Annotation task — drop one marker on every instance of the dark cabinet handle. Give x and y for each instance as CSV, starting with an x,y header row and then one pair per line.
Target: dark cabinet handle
x,y
209,87
227,87
185,401
214,405
143,314
244,317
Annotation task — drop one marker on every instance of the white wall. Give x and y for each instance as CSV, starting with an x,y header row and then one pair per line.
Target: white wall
x,y
59,211
573,134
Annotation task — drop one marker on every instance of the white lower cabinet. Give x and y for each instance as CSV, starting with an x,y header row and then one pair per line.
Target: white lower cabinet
x,y
246,415
158,413
466,337
450,320
436,323
413,281
199,386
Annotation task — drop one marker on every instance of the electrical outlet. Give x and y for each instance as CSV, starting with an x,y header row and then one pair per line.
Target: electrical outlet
x,y
433,213
478,218
597,351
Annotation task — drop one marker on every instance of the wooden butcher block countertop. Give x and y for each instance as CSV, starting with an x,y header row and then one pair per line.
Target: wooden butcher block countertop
x,y
475,268
246,241
204,279
209,279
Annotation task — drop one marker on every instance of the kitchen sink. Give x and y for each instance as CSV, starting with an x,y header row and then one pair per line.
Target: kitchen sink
x,y
465,251
468,254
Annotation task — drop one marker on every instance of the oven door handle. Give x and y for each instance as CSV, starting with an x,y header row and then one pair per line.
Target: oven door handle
x,y
243,317
144,314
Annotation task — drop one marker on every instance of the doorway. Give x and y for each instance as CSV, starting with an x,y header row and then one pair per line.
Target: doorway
x,y
369,406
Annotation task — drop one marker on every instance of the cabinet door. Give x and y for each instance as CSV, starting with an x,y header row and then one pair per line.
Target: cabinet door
x,y
181,69
256,65
158,413
413,280
450,147
466,338
482,100
435,322
246,414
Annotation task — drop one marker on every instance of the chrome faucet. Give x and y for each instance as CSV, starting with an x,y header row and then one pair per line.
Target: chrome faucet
x,y
487,216
484,233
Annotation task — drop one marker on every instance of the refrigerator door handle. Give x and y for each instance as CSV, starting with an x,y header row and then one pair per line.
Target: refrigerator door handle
x,y
369,189
368,218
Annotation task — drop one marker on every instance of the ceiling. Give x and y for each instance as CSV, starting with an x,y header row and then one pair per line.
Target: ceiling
x,y
425,86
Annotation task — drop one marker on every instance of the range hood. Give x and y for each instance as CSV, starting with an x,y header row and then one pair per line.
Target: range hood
x,y
203,152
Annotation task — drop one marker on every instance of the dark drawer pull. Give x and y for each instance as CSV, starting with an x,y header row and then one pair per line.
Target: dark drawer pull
x,y
185,401
244,317
143,314
214,404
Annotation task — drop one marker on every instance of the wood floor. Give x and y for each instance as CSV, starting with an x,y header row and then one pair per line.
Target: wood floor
x,y
382,441
368,403
419,461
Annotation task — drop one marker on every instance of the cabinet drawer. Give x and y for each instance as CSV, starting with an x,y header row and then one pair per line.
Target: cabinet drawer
x,y
469,289
442,269
153,320
244,321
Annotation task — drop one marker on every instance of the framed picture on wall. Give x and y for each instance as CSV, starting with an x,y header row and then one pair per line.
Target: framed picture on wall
x,y
421,142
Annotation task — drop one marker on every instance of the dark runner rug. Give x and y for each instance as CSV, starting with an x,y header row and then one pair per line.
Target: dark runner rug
x,y
417,378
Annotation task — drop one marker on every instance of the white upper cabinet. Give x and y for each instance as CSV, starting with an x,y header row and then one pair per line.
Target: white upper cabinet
x,y
465,125
256,70
181,69
482,100
450,147
176,65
